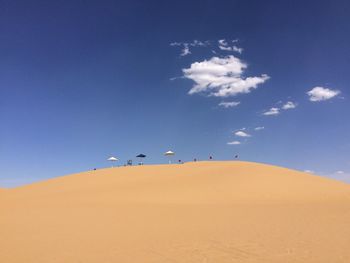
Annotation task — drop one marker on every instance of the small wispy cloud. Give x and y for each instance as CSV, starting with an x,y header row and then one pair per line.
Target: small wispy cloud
x,y
229,104
309,171
341,176
223,45
185,51
259,128
222,42
321,94
277,110
289,105
271,112
234,143
242,134
233,48
185,46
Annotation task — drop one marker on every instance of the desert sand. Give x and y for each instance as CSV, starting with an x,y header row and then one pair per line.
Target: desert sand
x,y
195,212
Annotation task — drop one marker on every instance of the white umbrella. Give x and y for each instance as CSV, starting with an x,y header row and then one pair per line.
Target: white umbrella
x,y
112,159
170,154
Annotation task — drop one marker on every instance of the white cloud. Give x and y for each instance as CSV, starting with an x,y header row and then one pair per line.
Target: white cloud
x,y
186,46
259,128
242,134
275,110
234,143
194,43
221,77
173,44
225,48
197,43
229,104
185,51
233,48
237,49
289,105
222,42
272,111
223,45
309,171
341,176
321,93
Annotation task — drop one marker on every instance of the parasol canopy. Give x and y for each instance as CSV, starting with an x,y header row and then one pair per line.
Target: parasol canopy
x,y
112,159
169,153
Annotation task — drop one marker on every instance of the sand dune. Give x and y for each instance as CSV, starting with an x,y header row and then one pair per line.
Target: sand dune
x,y
195,212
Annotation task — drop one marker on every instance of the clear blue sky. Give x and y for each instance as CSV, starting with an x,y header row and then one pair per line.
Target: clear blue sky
x,y
83,80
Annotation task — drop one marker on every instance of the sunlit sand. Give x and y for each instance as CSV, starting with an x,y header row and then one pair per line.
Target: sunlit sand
x,y
195,212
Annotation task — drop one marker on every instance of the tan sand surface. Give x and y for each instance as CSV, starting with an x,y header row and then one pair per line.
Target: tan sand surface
x,y
196,212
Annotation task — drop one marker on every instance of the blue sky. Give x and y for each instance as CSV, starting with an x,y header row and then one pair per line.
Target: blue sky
x,y
83,80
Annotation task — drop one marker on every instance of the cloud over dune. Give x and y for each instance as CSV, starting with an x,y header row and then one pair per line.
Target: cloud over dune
x,y
276,111
229,104
234,143
321,94
272,111
185,46
223,45
289,105
221,77
242,134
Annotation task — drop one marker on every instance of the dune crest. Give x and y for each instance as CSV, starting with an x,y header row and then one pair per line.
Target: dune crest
x,y
194,212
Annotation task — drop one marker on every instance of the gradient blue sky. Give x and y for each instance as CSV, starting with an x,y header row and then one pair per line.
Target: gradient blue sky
x,y
83,80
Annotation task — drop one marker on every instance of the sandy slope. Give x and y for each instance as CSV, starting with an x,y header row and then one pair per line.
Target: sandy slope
x,y
196,212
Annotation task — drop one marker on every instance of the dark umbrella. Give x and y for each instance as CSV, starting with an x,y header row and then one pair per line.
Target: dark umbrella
x,y
141,155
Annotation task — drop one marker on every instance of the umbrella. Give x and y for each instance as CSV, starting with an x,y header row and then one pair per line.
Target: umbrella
x,y
141,155
112,159
169,153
